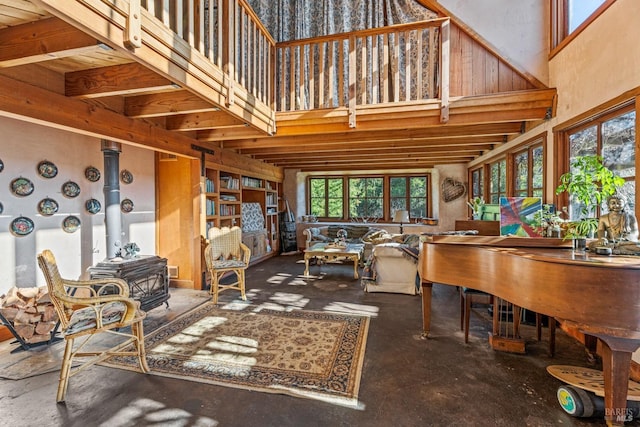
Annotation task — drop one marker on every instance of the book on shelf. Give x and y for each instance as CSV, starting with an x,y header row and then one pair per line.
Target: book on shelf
x,y
226,210
229,183
228,197
251,182
210,207
209,186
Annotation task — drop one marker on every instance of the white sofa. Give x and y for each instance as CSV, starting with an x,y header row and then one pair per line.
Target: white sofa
x,y
393,266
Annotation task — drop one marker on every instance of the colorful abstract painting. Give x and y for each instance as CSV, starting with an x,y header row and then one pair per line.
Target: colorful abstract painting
x,y
517,216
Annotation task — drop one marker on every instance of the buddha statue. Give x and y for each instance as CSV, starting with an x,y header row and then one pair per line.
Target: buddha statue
x,y
618,229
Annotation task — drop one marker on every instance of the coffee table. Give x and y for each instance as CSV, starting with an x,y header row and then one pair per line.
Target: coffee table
x,y
352,252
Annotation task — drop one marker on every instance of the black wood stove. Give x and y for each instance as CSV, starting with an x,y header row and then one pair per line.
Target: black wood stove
x,y
146,275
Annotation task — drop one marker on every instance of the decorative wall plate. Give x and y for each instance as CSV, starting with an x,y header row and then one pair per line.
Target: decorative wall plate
x,y
126,177
71,224
47,207
92,174
21,226
126,205
21,186
92,206
46,169
1,165
70,189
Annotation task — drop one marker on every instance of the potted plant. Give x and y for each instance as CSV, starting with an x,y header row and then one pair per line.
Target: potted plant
x,y
547,222
477,206
589,183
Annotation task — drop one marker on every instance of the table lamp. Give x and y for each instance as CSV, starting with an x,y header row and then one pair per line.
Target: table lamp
x,y
401,216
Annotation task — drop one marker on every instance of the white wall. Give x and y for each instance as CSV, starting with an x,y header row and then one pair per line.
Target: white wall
x,y
601,63
22,147
518,30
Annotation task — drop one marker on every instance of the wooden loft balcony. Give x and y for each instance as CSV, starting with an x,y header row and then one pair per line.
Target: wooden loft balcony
x,y
171,75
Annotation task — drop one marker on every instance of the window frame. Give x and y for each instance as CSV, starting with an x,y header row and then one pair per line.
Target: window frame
x,y
559,35
539,140
529,149
386,197
563,132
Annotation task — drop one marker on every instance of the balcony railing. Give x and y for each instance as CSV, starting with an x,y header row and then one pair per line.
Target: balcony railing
x,y
229,34
400,63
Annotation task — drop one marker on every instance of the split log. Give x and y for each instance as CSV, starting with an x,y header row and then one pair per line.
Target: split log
x,y
30,313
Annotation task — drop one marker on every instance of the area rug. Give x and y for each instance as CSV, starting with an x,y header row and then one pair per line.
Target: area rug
x,y
301,353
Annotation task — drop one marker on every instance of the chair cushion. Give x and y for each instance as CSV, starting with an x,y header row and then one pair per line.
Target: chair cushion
x,y
85,318
228,263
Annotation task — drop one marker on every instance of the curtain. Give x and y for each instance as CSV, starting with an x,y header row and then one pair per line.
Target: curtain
x,y
299,19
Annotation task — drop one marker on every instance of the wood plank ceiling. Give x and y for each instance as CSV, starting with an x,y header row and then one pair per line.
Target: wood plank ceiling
x,y
56,74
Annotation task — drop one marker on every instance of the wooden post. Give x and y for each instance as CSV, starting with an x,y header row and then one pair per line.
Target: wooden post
x,y
352,81
444,78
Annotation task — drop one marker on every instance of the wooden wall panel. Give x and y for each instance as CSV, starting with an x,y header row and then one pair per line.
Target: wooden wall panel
x,y
475,70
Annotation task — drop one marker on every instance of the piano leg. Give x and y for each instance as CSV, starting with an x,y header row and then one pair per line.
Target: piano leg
x,y
427,288
616,363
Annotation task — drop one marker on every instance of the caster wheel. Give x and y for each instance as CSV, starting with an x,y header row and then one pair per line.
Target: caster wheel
x,y
575,401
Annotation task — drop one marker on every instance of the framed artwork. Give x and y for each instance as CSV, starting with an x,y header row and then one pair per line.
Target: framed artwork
x,y
517,216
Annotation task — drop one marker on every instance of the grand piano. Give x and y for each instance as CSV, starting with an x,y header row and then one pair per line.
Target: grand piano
x,y
598,295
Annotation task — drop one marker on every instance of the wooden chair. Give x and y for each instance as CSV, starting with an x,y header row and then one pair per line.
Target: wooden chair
x,y
469,296
101,306
225,253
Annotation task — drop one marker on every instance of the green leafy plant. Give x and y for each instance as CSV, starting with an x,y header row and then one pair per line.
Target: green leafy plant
x,y
546,221
589,182
476,204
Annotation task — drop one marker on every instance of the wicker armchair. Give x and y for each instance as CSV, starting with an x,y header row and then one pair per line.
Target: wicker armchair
x,y
101,305
226,253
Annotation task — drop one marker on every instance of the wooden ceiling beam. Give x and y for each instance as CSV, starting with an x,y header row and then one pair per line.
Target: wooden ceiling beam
x,y
380,163
26,102
202,121
497,131
43,40
473,142
166,104
266,155
408,158
115,80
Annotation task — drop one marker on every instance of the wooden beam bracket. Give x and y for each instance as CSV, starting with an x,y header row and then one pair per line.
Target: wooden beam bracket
x,y
133,33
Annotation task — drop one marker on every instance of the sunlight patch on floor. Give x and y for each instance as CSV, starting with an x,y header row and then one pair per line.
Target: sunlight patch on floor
x,y
150,412
350,308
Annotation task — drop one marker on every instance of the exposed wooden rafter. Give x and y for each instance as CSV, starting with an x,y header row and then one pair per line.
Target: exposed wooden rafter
x,y
65,64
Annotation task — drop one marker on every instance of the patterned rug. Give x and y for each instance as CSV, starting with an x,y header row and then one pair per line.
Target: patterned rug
x,y
309,354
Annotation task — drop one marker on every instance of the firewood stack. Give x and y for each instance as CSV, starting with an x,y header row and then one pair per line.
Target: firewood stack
x,y
30,312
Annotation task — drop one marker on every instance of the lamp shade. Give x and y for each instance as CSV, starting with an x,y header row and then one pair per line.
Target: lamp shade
x,y
401,216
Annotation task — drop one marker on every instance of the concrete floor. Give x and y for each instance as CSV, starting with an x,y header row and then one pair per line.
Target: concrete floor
x,y
406,380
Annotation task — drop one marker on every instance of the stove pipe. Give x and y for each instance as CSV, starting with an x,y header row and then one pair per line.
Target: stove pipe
x,y
113,222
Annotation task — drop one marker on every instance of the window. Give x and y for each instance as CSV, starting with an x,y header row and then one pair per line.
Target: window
x,y
409,193
477,183
522,175
580,11
497,181
570,17
528,172
326,197
365,198
368,197
611,136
